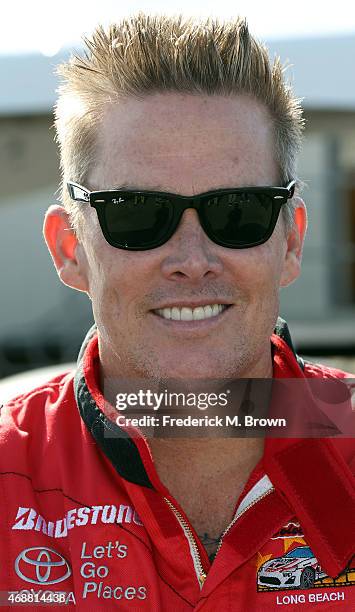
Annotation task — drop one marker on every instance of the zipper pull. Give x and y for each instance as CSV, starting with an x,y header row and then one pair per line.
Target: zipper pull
x,y
202,577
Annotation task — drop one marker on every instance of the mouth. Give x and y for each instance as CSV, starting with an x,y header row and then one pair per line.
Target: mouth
x,y
186,313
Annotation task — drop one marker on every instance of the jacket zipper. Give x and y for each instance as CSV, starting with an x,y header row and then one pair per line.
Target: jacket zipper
x,y
237,517
195,553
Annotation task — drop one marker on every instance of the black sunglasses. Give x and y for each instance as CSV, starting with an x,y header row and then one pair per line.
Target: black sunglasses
x,y
140,220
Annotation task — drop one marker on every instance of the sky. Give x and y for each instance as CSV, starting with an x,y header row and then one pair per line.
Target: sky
x,y
47,27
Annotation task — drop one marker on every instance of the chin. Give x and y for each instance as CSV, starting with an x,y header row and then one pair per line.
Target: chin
x,y
192,369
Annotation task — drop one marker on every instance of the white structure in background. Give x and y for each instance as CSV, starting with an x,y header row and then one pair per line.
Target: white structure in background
x,y
37,311
321,303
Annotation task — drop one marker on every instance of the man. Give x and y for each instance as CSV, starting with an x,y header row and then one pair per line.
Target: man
x,y
184,288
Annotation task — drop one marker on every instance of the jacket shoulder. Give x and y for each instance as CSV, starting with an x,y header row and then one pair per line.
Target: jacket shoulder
x,y
32,412
319,370
345,446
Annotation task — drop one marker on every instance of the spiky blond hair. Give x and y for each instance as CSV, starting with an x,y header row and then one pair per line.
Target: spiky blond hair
x,y
143,54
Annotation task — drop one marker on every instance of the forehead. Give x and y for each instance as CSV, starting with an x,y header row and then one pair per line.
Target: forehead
x,y
185,143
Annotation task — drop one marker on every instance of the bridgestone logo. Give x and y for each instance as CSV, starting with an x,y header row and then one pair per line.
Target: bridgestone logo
x,y
28,519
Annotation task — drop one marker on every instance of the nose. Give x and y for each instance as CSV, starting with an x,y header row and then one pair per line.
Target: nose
x,y
191,255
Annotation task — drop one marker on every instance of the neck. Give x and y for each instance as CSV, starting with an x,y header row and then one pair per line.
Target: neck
x,y
202,464
210,454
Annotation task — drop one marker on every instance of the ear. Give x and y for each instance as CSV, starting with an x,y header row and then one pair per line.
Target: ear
x,y
67,252
295,240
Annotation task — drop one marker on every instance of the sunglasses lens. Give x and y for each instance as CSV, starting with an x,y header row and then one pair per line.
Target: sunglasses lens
x,y
138,221
238,220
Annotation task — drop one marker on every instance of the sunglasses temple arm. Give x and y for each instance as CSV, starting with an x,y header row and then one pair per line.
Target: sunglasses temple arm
x,y
291,189
78,193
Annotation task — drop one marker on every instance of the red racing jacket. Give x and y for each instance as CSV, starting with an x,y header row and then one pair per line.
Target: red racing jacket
x,y
86,522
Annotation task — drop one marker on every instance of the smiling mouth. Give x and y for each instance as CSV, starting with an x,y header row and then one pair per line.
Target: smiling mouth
x,y
175,313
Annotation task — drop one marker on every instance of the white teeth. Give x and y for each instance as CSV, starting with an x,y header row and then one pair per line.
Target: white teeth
x,y
186,314
216,309
191,314
198,313
208,311
165,312
175,313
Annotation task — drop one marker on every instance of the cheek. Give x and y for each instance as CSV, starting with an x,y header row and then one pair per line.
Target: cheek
x,y
118,280
104,271
258,270
272,256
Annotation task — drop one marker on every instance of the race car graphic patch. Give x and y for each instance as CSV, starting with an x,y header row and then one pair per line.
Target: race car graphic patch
x,y
286,562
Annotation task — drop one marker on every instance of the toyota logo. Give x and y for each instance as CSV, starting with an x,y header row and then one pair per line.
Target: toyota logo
x,y
42,565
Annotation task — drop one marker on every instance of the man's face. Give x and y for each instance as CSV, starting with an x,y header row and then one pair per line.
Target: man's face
x,y
187,145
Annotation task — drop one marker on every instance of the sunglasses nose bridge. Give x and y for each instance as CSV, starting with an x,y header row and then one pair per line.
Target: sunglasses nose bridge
x,y
184,225
187,203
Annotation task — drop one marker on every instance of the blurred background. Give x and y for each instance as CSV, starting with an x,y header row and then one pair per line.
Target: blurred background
x,y
42,322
